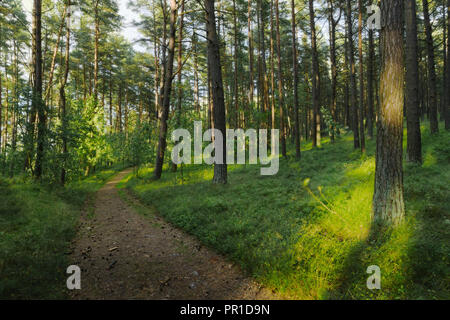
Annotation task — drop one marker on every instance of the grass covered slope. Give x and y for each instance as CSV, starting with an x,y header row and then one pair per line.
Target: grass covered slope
x,y
37,224
311,240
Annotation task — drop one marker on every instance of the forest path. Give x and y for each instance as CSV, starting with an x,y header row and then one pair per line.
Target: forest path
x,y
123,255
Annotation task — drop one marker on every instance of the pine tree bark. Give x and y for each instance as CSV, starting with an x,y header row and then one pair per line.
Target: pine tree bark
x,y
179,75
388,206
352,66
167,91
1,108
432,84
361,78
414,144
196,78
264,79
55,51
250,55
220,170
295,67
37,89
370,85
96,57
333,24
235,62
346,110
316,135
280,82
272,69
447,104
62,95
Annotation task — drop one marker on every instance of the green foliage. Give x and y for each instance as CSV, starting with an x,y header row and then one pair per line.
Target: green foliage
x,y
331,126
86,128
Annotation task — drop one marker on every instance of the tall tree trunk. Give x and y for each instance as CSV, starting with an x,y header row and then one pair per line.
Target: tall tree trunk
x,y
167,91
163,72
333,24
442,103
196,77
447,105
361,78
220,170
280,82
353,93
97,36
259,82
370,87
316,135
265,81
119,110
295,67
250,55
347,121
272,72
180,66
62,95
432,85
5,140
235,62
1,107
332,27
414,144
55,52
156,55
37,89
388,206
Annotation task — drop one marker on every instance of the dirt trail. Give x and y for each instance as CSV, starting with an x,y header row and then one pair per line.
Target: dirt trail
x,y
123,255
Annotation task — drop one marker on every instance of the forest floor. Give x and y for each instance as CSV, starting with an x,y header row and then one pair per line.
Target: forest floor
x,y
125,255
304,232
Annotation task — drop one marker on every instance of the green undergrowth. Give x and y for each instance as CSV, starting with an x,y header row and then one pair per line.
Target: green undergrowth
x,y
310,239
37,223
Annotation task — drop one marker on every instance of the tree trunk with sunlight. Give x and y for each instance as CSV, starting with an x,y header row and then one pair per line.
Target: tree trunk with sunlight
x,y
388,206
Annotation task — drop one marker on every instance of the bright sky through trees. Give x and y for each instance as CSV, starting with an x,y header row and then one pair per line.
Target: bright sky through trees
x,y
128,30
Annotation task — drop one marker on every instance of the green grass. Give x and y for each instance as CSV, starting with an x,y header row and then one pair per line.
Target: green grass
x,y
310,249
37,224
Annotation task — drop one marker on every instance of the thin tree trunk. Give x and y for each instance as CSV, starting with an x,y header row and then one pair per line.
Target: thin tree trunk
x,y
353,93
361,78
167,91
1,107
316,135
280,82
196,77
37,90
346,86
62,95
97,36
388,206
414,144
295,67
370,80
447,105
55,51
265,81
333,25
250,55
272,61
179,65
220,170
110,103
432,85
235,58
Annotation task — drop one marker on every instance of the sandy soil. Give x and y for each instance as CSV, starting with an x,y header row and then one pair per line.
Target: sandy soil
x,y
124,255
